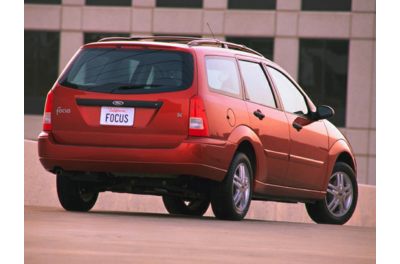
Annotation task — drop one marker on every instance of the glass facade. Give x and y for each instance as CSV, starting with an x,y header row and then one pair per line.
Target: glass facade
x,y
41,55
252,4
95,36
109,2
323,67
326,5
263,45
180,3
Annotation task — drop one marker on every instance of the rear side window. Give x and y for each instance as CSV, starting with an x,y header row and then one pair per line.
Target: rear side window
x,y
256,83
123,70
292,99
222,75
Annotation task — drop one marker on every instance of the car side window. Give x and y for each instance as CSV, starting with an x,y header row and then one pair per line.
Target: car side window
x,y
292,99
257,86
222,75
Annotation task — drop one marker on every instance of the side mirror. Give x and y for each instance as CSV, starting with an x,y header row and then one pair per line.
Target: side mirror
x,y
324,112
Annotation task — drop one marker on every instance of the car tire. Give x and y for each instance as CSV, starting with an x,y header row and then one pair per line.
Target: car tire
x,y
177,205
74,195
231,198
341,198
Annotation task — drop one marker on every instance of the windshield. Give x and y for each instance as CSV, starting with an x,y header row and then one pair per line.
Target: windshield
x,y
126,70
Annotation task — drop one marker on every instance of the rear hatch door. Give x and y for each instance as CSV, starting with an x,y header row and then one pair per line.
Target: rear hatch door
x,y
125,96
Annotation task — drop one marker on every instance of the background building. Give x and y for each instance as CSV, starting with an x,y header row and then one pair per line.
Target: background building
x,y
327,45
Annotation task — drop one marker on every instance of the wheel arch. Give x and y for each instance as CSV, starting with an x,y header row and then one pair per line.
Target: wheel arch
x,y
346,158
246,148
340,151
248,143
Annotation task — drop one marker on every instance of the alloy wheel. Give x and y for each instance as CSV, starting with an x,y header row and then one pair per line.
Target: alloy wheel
x,y
339,196
241,187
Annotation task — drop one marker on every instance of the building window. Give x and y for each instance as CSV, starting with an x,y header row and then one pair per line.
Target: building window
x,y
95,36
52,2
326,5
41,53
252,4
263,45
323,74
180,3
109,2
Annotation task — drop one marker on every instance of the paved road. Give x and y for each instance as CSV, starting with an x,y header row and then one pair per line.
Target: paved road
x,y
55,236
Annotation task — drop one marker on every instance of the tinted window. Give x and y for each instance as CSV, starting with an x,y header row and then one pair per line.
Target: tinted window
x,y
115,70
54,2
109,2
95,36
256,83
222,75
323,74
180,3
41,52
252,4
326,5
263,45
292,99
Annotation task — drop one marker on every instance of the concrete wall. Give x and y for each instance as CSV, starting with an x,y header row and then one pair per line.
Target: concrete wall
x,y
40,190
287,24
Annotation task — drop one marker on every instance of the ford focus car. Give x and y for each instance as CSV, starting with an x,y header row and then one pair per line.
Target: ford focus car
x,y
197,122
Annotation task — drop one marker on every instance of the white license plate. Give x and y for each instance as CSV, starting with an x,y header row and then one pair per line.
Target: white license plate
x,y
117,116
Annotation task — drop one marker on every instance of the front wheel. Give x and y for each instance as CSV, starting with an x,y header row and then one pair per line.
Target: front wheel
x,y
230,199
75,195
340,200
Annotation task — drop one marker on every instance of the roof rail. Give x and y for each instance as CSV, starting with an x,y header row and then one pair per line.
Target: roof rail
x,y
223,44
154,38
191,41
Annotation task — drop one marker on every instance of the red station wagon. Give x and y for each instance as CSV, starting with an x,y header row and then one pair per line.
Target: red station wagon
x,y
196,121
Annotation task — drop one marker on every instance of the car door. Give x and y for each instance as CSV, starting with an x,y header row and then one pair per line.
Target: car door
x,y
269,122
308,139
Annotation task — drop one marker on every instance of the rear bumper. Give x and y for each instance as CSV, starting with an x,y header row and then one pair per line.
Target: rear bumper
x,y
202,157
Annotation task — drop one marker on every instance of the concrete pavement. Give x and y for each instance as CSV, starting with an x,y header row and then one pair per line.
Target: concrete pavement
x,y
55,236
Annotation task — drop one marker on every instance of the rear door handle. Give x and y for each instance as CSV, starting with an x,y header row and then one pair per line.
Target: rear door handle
x,y
259,114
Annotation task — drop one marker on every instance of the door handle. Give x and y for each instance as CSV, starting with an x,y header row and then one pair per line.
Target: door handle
x,y
297,126
259,114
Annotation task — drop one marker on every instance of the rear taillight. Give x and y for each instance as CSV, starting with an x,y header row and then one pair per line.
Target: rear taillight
x,y
47,111
198,119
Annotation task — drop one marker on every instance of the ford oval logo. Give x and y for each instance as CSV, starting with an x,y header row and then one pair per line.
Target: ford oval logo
x,y
118,103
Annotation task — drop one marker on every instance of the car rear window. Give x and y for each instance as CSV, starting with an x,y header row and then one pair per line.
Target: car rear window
x,y
127,70
222,75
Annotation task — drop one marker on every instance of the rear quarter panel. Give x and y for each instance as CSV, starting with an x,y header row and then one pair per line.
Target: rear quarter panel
x,y
217,106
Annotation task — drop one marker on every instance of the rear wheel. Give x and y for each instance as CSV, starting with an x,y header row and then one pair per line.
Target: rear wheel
x,y
231,198
75,195
340,200
177,205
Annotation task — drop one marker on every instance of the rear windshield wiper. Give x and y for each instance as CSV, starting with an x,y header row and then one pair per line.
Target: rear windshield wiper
x,y
135,86
70,85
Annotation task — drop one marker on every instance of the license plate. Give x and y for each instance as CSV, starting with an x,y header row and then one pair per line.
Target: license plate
x,y
117,116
